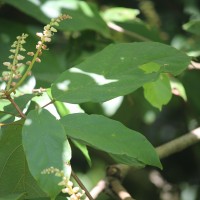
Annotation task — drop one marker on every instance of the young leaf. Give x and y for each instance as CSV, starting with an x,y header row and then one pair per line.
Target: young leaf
x,y
116,71
112,137
14,173
192,26
178,88
120,14
158,93
45,145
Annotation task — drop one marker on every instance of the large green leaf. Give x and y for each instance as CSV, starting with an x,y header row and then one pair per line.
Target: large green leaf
x,y
112,137
15,177
45,145
85,15
117,71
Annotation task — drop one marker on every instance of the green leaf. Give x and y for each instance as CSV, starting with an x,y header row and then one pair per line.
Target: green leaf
x,y
5,117
45,145
127,160
84,150
192,26
12,197
85,15
191,84
60,106
120,14
110,136
115,71
14,173
150,67
9,111
158,93
178,88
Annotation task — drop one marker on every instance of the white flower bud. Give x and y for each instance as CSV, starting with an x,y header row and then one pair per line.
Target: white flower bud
x,y
22,49
20,57
46,39
47,33
13,84
12,50
39,34
7,64
75,189
22,41
29,73
11,56
5,78
14,45
73,197
53,29
30,53
19,65
70,183
28,62
38,60
55,24
47,27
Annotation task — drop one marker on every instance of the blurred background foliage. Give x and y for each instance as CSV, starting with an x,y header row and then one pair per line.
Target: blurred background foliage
x,y
95,24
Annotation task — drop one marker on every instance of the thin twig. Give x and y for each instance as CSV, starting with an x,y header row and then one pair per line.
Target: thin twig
x,y
39,90
194,65
179,144
16,106
82,186
98,189
119,190
52,101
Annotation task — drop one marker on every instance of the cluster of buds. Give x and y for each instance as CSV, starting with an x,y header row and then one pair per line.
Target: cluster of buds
x,y
47,33
75,193
13,72
45,36
14,66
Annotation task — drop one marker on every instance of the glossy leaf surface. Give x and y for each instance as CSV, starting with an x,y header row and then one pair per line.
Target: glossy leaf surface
x,y
46,146
112,137
116,71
